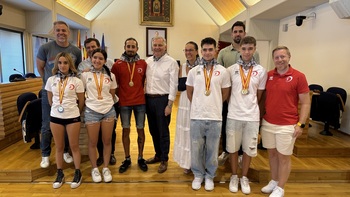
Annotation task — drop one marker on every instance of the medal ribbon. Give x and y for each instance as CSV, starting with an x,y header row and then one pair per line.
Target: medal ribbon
x,y
245,79
61,88
207,79
131,72
99,86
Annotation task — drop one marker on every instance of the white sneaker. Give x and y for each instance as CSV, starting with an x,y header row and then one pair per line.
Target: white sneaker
x,y
222,158
45,162
67,158
245,185
209,184
269,187
233,186
107,177
277,192
197,183
240,161
96,176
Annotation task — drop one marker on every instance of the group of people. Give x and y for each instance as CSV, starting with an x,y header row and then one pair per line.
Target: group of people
x,y
219,97
94,90
223,97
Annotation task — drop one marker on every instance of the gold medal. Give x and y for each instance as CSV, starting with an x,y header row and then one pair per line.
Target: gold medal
x,y
207,92
245,91
99,97
131,83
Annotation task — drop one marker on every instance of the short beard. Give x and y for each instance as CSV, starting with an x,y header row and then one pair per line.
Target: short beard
x,y
130,54
237,41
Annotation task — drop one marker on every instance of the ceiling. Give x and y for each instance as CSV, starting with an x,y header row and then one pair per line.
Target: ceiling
x,y
220,11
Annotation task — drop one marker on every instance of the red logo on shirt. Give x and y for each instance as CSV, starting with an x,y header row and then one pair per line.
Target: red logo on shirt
x,y
71,86
217,73
107,80
255,73
139,70
289,79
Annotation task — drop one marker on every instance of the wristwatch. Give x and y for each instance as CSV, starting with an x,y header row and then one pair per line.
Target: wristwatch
x,y
301,125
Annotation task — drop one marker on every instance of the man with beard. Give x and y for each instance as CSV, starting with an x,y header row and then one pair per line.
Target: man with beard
x,y
90,45
130,73
227,57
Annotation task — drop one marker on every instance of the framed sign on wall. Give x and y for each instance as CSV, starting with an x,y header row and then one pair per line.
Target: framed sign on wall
x,y
156,12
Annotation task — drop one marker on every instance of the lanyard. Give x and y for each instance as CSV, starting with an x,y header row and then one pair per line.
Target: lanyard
x,y
245,79
61,88
99,86
207,80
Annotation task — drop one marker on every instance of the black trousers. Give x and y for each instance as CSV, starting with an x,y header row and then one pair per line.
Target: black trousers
x,y
158,125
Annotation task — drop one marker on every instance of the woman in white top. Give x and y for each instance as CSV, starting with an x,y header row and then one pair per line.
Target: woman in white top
x,y
63,91
100,85
182,143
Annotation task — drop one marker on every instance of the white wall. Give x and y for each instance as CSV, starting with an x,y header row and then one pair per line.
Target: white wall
x,y
121,20
13,18
320,47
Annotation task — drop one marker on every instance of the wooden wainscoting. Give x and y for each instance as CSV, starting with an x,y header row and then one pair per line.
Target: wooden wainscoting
x,y
10,128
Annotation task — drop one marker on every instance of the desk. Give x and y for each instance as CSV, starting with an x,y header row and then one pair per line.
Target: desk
x,y
10,128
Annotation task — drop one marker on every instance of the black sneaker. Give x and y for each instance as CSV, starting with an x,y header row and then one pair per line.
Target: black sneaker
x,y
126,164
59,179
99,161
112,160
142,165
76,180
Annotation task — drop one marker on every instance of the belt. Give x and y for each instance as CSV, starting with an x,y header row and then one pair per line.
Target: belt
x,y
156,95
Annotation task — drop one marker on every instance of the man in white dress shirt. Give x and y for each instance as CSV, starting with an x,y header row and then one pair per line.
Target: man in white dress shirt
x,y
161,88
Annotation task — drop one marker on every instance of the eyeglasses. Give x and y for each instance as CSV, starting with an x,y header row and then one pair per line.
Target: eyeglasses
x,y
188,50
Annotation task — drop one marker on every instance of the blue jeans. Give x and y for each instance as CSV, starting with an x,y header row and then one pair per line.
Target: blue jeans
x,y
139,114
205,139
46,135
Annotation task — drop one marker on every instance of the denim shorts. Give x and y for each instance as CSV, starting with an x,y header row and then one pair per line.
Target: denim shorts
x,y
139,114
91,116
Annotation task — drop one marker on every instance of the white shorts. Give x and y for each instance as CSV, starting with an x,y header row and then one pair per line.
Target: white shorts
x,y
278,136
243,133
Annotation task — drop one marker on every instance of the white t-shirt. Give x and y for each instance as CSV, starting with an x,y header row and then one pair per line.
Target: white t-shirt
x,y
69,102
207,107
106,103
245,107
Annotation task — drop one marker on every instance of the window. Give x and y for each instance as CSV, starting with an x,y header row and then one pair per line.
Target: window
x,y
11,54
37,42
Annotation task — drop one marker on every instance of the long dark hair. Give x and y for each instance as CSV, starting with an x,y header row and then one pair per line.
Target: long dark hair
x,y
104,53
195,47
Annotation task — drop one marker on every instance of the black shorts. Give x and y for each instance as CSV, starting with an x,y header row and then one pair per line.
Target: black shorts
x,y
64,122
